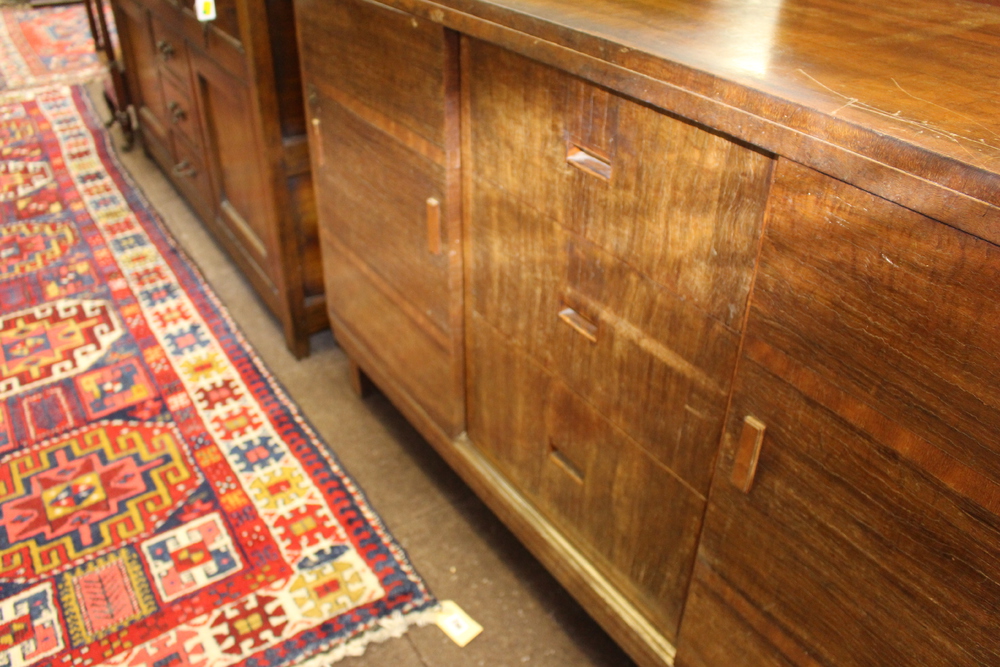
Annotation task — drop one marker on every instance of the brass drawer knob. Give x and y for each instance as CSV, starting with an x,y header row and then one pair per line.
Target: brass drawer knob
x,y
166,49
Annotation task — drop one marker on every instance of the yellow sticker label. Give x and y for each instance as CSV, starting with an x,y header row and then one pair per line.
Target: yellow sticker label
x,y
204,9
458,625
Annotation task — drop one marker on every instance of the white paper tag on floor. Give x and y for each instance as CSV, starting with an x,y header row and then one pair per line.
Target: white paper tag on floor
x,y
455,623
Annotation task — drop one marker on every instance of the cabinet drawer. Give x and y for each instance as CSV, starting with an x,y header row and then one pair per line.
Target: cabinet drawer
x,y
381,212
680,204
843,552
654,364
634,518
190,174
389,63
181,112
172,51
896,309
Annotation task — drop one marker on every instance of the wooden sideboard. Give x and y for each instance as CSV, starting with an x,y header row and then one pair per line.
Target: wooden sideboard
x,y
220,109
699,296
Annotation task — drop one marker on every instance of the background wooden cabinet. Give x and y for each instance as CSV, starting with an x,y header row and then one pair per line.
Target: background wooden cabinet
x,y
220,110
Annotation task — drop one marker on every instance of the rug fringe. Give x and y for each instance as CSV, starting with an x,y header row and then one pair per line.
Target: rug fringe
x,y
389,627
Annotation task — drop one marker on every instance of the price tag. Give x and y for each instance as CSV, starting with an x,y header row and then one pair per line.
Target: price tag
x,y
204,9
455,623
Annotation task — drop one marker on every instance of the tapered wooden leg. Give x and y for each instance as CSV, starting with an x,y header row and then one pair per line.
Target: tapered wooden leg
x,y
360,383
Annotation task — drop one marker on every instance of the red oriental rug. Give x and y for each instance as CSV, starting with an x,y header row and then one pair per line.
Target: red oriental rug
x,y
162,501
45,46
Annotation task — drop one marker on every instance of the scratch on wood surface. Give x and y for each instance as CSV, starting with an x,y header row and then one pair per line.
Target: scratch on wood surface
x,y
957,139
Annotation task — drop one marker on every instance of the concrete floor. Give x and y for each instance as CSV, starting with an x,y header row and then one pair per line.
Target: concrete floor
x,y
463,552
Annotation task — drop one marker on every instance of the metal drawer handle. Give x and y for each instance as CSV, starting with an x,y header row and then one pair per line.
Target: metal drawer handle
x,y
747,453
579,323
184,168
177,113
166,49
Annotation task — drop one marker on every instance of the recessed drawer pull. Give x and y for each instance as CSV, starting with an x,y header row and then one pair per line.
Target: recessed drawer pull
x,y
581,324
185,169
747,453
588,162
563,462
434,226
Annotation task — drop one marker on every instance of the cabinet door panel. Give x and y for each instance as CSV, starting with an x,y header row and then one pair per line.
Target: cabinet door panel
x,y
893,307
236,163
418,358
374,196
657,366
843,552
389,62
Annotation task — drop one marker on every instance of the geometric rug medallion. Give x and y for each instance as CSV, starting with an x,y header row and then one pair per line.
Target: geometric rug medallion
x,y
162,501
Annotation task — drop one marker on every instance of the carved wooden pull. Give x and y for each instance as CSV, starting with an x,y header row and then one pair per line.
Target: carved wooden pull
x,y
564,463
434,226
747,453
581,324
588,162
320,155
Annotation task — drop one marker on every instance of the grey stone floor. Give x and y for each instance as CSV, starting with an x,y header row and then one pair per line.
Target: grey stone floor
x,y
462,550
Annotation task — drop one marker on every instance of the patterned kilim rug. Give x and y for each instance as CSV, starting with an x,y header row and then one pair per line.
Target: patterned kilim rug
x,y
45,46
162,502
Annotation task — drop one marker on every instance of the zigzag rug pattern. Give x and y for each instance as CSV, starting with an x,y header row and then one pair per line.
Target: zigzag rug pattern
x,y
162,502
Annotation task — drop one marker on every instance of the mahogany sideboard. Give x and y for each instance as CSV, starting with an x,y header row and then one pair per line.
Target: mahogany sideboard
x,y
700,296
220,109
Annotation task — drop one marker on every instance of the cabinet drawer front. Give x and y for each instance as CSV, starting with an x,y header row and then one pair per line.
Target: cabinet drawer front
x,y
418,358
171,51
842,552
181,113
190,174
679,203
373,195
656,365
390,63
897,309
636,521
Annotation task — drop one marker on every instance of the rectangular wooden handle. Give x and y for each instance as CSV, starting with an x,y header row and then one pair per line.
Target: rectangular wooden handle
x,y
320,157
588,162
747,453
434,226
579,323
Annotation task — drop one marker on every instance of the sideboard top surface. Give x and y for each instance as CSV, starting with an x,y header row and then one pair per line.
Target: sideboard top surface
x,y
912,84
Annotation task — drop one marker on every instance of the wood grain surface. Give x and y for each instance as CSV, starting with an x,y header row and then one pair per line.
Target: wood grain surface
x,y
843,553
658,259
